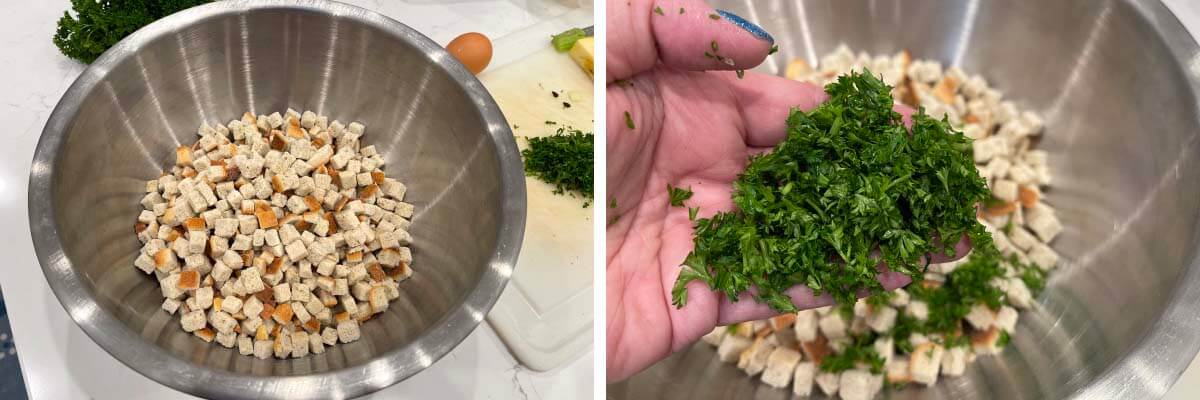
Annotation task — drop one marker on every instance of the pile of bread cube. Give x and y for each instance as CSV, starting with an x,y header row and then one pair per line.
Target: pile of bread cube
x,y
277,234
788,349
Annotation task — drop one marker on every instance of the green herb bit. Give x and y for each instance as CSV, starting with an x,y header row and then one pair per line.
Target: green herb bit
x,y
564,41
741,73
862,350
714,47
692,211
564,160
1004,339
658,10
629,120
678,195
714,17
774,49
551,123
857,181
680,10
612,203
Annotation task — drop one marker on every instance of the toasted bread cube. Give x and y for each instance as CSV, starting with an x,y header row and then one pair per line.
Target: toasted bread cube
x,y
189,280
781,364
980,316
245,345
231,305
1006,319
340,287
732,347
715,336
378,299
283,345
183,156
833,326
828,382
300,344
897,369
925,361
1043,256
954,362
283,292
918,310
223,322
283,313
329,336
206,334
881,319
802,378
204,297
805,325
347,331
349,305
193,321
300,312
986,342
855,384
251,280
169,287
171,305
316,344
227,339
754,359
262,349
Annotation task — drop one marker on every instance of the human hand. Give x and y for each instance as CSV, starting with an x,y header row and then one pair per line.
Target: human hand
x,y
694,124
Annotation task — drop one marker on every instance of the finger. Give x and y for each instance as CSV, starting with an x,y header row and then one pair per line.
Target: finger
x,y
746,309
960,250
682,34
765,101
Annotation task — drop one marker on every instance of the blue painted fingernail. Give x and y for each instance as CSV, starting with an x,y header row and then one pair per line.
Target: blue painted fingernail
x,y
755,30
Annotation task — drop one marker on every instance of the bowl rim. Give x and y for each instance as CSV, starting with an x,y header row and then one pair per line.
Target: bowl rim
x,y
390,367
1173,339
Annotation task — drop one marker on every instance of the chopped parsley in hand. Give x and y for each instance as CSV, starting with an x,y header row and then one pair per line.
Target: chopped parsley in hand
x,y
564,160
677,195
849,181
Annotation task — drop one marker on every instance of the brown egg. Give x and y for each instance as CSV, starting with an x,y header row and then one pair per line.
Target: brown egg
x,y
473,50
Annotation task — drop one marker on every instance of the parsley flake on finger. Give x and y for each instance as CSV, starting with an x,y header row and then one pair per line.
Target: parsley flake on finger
x,y
851,187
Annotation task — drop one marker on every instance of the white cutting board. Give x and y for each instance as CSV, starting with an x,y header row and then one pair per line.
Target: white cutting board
x,y
545,315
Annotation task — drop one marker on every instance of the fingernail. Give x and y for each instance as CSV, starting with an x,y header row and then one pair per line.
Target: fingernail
x,y
755,30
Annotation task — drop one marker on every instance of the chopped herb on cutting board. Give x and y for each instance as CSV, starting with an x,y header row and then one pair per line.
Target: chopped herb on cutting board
x,y
564,160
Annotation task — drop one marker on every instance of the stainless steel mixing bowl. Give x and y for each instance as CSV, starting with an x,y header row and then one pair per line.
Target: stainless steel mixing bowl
x,y
117,125
1117,82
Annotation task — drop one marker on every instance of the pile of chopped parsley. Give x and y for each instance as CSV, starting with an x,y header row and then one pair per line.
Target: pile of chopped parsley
x,y
564,160
849,188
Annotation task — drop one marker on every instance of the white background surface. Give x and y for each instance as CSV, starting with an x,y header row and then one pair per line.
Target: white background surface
x,y
60,362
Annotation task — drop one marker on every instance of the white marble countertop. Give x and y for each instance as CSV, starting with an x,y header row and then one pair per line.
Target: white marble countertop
x,y
60,362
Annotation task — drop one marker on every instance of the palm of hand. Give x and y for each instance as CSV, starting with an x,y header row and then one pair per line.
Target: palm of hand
x,y
691,133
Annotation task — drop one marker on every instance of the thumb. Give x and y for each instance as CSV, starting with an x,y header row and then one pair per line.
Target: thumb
x,y
682,34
